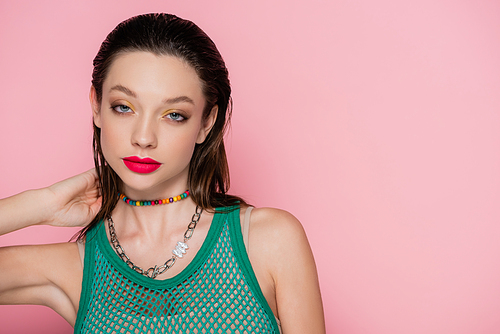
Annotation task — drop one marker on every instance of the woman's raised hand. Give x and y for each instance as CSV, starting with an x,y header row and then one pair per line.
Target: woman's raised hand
x,y
71,202
76,200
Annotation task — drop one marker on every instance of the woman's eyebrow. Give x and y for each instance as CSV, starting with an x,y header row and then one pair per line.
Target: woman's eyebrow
x,y
178,99
123,89
171,100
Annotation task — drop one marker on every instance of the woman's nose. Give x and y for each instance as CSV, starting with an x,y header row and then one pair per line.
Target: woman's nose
x,y
144,134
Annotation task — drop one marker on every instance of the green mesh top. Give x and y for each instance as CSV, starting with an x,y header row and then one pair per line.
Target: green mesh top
x,y
216,293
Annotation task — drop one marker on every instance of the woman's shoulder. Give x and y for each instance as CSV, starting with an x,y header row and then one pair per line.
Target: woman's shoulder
x,y
276,228
274,219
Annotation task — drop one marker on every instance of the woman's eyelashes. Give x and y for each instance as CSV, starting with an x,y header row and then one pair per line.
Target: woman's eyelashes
x,y
121,109
175,116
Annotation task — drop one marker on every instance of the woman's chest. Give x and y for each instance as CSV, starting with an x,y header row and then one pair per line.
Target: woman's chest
x,y
216,296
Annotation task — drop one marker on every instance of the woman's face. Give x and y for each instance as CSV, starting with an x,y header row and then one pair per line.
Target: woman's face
x,y
152,107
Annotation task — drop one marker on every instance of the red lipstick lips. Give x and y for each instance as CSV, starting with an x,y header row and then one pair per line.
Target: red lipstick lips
x,y
141,165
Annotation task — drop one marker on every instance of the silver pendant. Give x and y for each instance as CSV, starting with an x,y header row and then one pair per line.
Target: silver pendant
x,y
180,249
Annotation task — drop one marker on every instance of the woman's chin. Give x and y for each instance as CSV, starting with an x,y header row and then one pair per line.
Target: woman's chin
x,y
152,189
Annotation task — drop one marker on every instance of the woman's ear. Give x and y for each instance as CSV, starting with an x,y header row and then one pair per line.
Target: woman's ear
x,y
209,123
95,107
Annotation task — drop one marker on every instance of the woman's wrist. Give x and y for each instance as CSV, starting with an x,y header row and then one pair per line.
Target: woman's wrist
x,y
44,208
40,210
31,207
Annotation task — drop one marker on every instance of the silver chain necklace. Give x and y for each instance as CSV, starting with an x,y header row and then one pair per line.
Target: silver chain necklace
x,y
178,251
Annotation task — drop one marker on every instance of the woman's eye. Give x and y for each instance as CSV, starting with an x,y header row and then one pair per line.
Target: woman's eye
x,y
176,117
122,109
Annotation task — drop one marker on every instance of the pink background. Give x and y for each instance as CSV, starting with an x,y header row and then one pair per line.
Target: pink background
x,y
375,122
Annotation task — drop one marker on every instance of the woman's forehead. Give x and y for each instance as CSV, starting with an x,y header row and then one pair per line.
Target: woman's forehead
x,y
147,74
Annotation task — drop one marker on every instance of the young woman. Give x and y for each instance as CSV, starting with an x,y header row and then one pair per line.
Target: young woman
x,y
164,249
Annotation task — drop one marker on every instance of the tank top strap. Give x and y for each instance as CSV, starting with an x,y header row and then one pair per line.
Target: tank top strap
x,y
88,274
246,226
81,250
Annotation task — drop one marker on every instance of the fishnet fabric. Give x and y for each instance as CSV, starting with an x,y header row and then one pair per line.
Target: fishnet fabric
x,y
216,298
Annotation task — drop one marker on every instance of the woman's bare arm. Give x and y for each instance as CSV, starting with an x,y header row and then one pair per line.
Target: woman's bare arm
x,y
280,251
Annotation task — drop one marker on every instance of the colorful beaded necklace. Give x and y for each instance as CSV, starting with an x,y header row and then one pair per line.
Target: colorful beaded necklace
x,y
156,202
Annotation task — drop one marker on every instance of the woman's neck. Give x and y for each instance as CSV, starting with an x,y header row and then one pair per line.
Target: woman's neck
x,y
148,234
152,222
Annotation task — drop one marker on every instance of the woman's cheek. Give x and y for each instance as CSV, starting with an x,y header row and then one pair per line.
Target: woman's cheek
x,y
111,143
